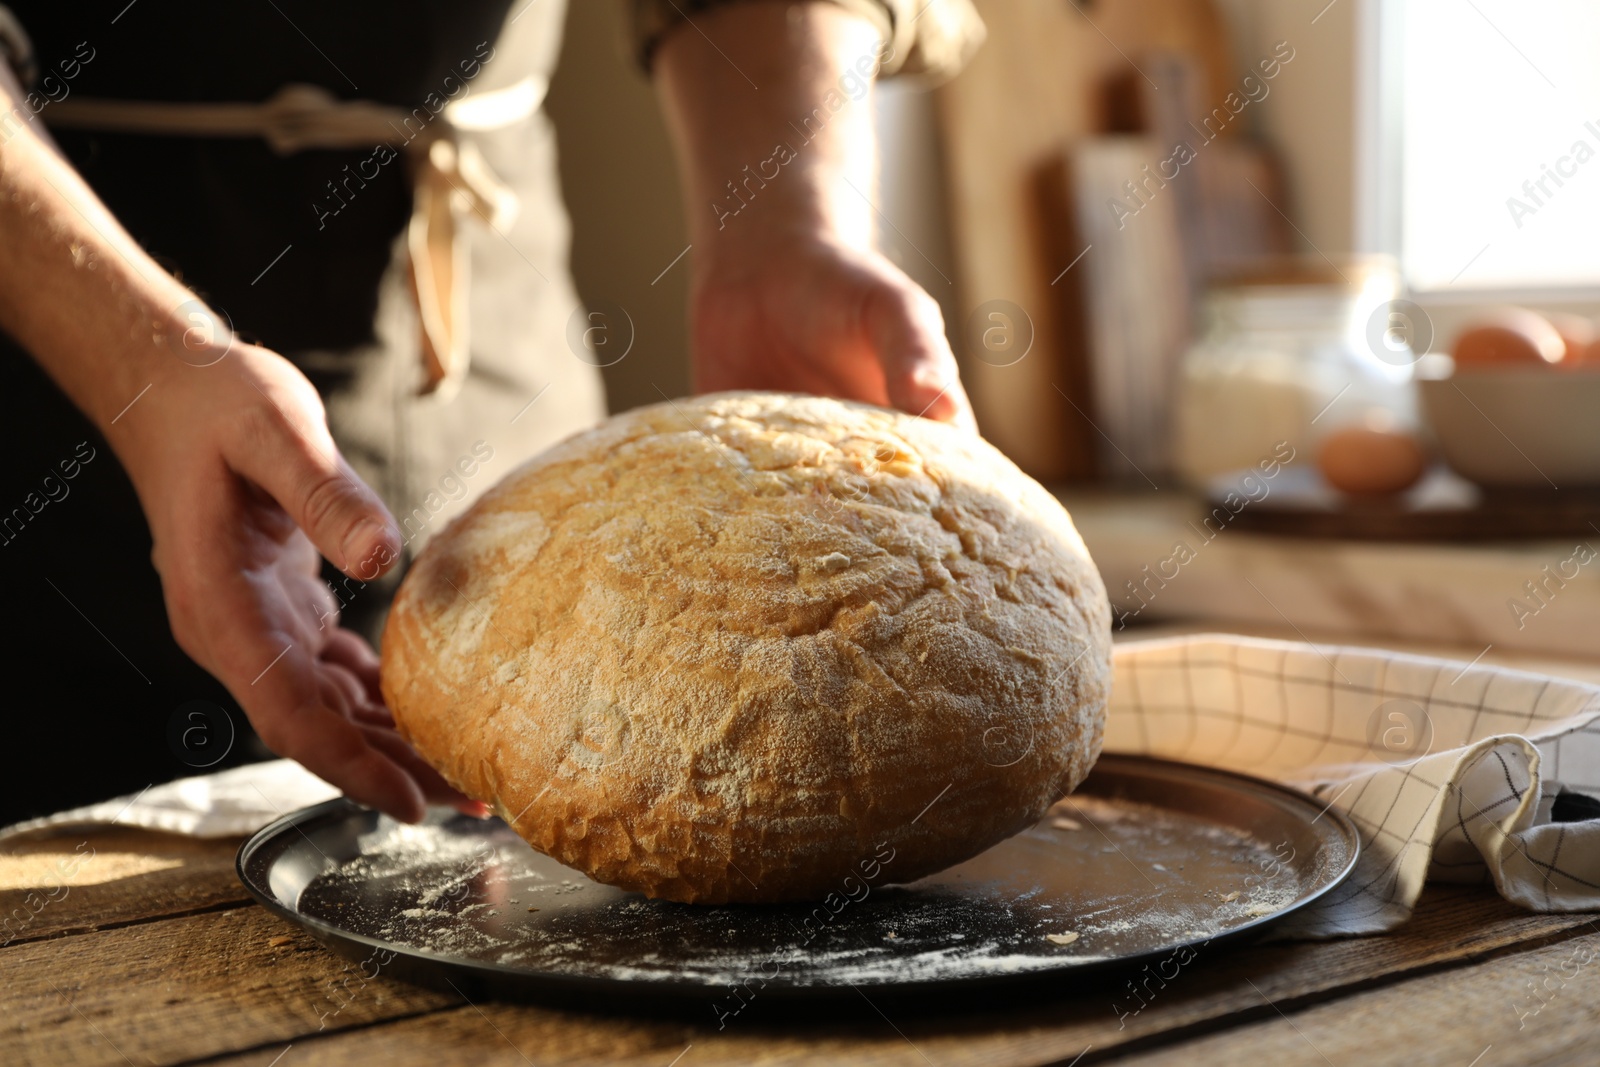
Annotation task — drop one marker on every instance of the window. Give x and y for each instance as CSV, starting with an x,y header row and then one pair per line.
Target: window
x,y
1498,141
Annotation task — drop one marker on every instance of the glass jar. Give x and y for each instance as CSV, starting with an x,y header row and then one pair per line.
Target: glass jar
x,y
1289,351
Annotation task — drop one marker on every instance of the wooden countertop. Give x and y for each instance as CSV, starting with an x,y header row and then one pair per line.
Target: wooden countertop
x,y
1467,594
146,950
155,955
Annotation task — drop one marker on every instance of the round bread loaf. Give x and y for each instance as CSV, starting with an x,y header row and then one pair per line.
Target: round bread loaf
x,y
757,647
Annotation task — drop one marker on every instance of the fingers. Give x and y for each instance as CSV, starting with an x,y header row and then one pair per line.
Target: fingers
x,y
340,691
350,682
906,330
249,633
433,785
294,720
351,651
284,447
351,661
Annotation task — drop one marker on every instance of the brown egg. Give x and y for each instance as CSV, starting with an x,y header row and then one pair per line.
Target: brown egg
x,y
1370,462
1577,336
1509,337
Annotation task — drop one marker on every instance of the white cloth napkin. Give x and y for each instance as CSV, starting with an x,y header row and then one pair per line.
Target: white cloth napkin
x,y
229,803
1448,770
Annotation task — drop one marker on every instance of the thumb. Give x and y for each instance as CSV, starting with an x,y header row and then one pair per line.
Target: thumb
x,y
296,462
920,375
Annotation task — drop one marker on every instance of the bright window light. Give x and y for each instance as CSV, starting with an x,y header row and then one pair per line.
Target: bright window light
x,y
1500,153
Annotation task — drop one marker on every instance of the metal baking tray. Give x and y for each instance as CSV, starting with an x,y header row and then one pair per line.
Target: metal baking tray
x,y
1147,860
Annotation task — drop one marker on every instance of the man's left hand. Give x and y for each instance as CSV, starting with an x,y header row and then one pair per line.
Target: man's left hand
x,y
769,106
819,316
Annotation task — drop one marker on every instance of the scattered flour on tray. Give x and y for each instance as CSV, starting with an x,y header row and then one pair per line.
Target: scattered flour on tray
x,y
450,894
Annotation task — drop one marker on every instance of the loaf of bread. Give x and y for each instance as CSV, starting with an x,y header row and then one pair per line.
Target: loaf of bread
x,y
739,647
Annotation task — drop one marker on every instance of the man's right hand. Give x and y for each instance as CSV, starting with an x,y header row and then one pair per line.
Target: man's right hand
x,y
243,487
230,453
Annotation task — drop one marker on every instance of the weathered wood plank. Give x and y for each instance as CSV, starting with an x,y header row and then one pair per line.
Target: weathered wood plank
x,y
1221,991
184,988
96,878
1534,1007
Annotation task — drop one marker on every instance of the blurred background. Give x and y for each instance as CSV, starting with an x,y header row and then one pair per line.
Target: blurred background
x,y
1292,301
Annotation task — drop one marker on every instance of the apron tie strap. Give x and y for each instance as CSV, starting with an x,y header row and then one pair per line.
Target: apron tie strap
x,y
449,181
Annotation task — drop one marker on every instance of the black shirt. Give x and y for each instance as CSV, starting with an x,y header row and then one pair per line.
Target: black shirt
x,y
218,211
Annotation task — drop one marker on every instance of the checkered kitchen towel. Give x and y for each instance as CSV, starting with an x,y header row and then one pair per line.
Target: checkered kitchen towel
x,y
1449,771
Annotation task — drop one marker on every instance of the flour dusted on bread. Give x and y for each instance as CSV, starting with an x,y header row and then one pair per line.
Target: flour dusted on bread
x,y
745,646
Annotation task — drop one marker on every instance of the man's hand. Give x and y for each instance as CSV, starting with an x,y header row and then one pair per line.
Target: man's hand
x,y
772,117
238,476
243,488
825,318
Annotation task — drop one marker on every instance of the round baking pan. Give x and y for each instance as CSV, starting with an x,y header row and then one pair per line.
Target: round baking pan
x,y
1148,861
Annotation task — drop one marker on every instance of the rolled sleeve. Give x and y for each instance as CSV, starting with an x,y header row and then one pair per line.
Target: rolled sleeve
x,y
933,38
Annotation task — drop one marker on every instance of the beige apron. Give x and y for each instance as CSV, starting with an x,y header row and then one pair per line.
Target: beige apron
x,y
519,303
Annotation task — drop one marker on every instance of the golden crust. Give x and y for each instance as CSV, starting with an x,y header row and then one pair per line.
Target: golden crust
x,y
723,649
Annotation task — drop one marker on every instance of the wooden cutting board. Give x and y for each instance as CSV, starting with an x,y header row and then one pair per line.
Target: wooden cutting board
x,y
1136,307
1165,211
1038,83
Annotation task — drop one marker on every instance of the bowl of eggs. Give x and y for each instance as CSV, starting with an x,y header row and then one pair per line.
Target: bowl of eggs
x,y
1518,403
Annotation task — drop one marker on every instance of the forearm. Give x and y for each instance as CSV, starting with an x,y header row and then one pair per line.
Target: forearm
x,y
769,107
75,289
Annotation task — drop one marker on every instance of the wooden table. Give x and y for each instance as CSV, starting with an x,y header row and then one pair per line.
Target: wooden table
x,y
128,947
